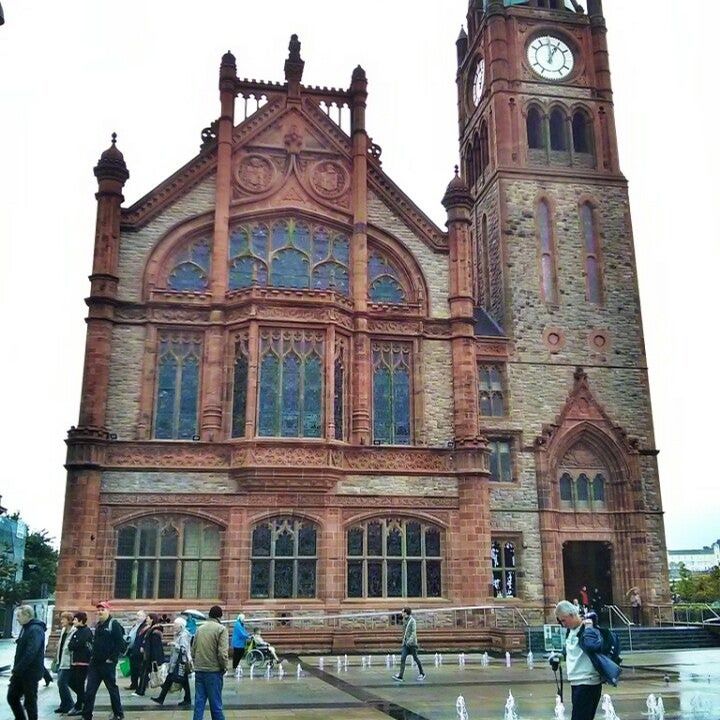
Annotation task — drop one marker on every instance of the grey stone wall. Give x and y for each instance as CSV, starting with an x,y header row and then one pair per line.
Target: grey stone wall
x,y
397,485
438,391
126,481
126,359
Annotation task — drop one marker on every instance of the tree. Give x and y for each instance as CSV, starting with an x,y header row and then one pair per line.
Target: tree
x,y
699,587
40,567
11,591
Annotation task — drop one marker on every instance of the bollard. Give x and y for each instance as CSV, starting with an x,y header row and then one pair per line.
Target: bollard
x,y
460,708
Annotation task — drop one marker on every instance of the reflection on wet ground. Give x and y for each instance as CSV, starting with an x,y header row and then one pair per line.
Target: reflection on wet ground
x,y
688,682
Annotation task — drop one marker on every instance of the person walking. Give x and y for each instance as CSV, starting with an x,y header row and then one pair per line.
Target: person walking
x,y
80,645
135,638
179,666
107,647
28,666
409,646
210,651
587,667
62,658
240,638
635,605
153,653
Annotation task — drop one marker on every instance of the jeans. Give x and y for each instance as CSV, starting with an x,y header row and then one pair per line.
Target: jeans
x,y
585,699
23,692
63,683
97,674
78,675
409,650
208,686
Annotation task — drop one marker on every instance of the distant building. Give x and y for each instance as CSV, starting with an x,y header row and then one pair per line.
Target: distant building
x,y
13,533
699,560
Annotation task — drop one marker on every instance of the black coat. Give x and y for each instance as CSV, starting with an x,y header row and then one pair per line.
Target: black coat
x,y
30,651
153,651
108,643
80,645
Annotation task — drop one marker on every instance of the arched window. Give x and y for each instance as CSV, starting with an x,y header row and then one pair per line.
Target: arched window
x,y
178,387
582,132
191,268
394,558
240,381
392,393
558,130
593,279
477,160
535,131
289,254
484,147
547,253
291,384
577,490
469,165
384,283
490,387
167,557
284,559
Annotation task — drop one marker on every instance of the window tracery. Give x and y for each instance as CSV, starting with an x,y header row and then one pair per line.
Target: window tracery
x,y
491,392
384,280
240,382
582,480
340,391
392,368
394,558
284,559
167,557
190,267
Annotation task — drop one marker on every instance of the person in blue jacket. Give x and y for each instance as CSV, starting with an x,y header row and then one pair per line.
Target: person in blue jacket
x,y
240,638
587,666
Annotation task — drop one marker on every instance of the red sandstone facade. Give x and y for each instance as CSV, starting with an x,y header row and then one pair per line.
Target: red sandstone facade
x,y
475,296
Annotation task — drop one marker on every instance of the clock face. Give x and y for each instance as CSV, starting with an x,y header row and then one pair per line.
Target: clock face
x,y
550,57
478,81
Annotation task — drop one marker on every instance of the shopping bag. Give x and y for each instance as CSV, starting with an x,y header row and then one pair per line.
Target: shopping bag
x,y
124,666
158,675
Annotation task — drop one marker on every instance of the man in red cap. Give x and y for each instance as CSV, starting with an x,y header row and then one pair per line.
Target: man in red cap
x,y
108,646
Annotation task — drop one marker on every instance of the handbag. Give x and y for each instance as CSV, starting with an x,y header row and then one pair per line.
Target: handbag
x,y
157,676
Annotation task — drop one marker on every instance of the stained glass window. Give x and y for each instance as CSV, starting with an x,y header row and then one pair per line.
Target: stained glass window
x,y
289,253
503,559
291,384
491,394
240,380
340,391
394,558
191,268
392,394
593,282
178,386
384,283
167,557
547,253
284,559
500,461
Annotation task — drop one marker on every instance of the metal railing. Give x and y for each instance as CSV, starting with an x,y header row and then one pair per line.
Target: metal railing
x,y
701,614
614,610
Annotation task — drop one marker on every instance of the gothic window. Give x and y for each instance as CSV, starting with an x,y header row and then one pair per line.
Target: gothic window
x,y
484,147
490,386
284,559
291,384
501,460
240,382
384,280
535,131
340,391
558,130
167,557
593,281
582,480
547,253
178,387
483,265
581,132
289,254
392,393
504,561
191,268
477,160
394,558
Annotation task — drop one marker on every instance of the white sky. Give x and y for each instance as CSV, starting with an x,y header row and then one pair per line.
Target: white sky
x,y
72,72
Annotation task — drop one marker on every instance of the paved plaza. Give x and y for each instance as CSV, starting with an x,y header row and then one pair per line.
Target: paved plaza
x,y
688,681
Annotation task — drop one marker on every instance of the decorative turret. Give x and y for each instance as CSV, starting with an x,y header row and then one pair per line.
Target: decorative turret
x,y
462,45
111,167
457,195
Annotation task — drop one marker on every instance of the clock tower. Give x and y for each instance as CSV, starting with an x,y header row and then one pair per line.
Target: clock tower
x,y
555,287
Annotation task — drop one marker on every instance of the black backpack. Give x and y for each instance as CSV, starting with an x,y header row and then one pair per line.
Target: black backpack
x,y
611,645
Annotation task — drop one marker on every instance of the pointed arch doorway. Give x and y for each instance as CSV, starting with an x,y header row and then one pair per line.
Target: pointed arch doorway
x,y
588,564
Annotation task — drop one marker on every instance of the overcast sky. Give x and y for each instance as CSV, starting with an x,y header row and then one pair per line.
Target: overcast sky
x,y
72,72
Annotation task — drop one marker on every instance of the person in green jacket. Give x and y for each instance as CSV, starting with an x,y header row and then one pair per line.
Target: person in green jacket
x,y
210,651
409,646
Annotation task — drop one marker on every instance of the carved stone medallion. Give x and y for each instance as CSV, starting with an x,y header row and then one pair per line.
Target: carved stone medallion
x,y
255,173
329,179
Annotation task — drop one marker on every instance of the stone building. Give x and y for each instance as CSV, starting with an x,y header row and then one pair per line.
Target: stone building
x,y
300,394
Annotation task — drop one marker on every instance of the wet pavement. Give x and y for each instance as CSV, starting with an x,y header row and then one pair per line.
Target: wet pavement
x,y
688,681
